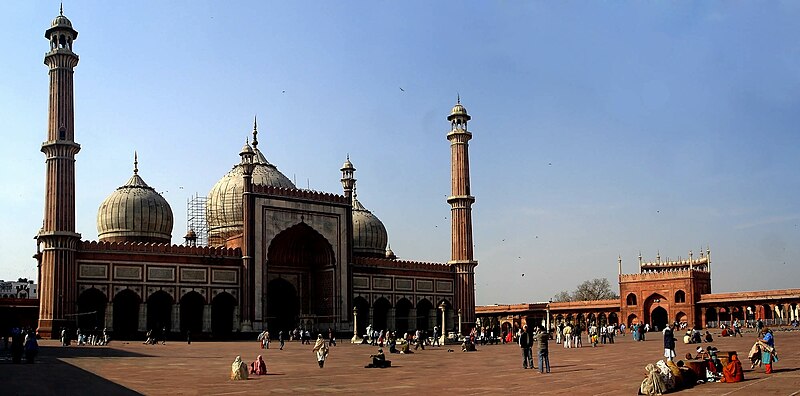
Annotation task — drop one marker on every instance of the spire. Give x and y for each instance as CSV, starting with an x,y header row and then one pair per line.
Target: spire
x,y
255,132
458,98
135,163
619,263
61,9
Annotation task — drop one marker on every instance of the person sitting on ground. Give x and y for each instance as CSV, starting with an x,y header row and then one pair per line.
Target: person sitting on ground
x,y
238,369
732,372
652,384
393,344
379,360
468,346
258,367
688,375
708,337
405,348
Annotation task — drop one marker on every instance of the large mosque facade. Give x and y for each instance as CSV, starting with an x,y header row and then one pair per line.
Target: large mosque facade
x,y
277,257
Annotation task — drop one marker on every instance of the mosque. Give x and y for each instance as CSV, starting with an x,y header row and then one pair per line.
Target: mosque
x,y
277,256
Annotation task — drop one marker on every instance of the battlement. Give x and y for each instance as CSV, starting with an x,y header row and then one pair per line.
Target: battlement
x,y
665,275
308,195
141,247
401,264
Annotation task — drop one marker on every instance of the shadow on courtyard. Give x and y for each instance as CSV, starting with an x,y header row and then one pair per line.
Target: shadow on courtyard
x,y
49,375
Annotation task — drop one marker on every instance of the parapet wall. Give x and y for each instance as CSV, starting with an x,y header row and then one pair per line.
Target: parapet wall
x,y
401,264
159,248
309,195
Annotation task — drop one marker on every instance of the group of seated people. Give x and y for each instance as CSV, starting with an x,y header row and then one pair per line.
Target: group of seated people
x,y
240,369
693,336
667,376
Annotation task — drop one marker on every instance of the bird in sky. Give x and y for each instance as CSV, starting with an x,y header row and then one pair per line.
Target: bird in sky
x,y
401,88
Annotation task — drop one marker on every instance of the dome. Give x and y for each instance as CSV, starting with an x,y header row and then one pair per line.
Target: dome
x,y
61,21
224,210
135,212
458,111
369,234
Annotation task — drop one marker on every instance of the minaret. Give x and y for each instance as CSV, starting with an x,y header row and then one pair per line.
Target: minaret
x,y
461,202
348,178
57,239
248,248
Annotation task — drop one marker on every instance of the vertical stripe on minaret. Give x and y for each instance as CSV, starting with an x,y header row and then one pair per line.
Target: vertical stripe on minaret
x,y
461,201
57,239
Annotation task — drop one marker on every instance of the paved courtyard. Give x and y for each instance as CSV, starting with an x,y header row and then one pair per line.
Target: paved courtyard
x,y
203,368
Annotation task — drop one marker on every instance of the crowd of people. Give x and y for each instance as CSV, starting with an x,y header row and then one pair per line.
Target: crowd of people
x,y
22,343
706,365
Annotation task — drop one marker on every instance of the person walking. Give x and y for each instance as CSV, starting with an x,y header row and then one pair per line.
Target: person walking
x,y
669,343
568,336
525,344
435,336
737,328
542,338
320,350
280,338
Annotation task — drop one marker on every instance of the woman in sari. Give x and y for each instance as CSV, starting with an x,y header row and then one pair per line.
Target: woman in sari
x,y
321,350
732,372
768,353
258,367
238,369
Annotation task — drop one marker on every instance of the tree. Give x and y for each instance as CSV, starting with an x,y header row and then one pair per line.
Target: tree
x,y
564,296
590,290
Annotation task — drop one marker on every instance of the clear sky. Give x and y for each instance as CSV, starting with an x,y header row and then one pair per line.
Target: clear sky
x,y
600,128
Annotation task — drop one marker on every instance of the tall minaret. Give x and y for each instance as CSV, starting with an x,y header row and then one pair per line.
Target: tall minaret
x,y
460,202
57,239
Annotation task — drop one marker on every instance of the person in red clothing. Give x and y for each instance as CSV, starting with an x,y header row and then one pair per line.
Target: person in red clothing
x,y
732,372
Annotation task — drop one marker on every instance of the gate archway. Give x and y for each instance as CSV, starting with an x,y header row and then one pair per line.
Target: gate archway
x,y
159,312
91,309
659,318
222,308
192,307
126,315
283,306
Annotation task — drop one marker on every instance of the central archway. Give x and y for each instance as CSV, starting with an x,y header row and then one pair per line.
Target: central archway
x,y
659,318
305,261
283,306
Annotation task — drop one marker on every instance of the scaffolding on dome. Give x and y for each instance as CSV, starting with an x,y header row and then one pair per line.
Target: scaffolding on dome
x,y
196,219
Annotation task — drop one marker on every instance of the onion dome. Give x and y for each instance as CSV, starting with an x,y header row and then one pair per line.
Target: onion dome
x,y
61,23
135,212
369,234
224,211
458,111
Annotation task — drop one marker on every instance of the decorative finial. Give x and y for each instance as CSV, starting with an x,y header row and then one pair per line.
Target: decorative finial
x,y
348,156
458,98
61,9
255,132
135,163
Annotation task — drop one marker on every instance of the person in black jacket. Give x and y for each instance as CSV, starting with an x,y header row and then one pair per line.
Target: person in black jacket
x,y
669,343
526,343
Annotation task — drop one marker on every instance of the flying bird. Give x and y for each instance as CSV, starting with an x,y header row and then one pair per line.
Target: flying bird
x,y
401,88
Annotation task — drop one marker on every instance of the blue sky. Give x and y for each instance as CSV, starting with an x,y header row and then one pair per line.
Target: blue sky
x,y
600,128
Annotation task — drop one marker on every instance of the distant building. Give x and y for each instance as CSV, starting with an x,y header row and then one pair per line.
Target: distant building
x,y
664,291
278,257
21,288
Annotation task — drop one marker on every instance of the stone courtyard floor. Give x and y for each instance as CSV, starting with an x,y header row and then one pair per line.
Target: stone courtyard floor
x,y
203,368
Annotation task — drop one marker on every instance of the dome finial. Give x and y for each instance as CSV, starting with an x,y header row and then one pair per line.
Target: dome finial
x,y
255,132
458,98
61,9
135,163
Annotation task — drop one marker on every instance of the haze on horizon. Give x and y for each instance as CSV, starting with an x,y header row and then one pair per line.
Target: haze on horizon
x,y
599,129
